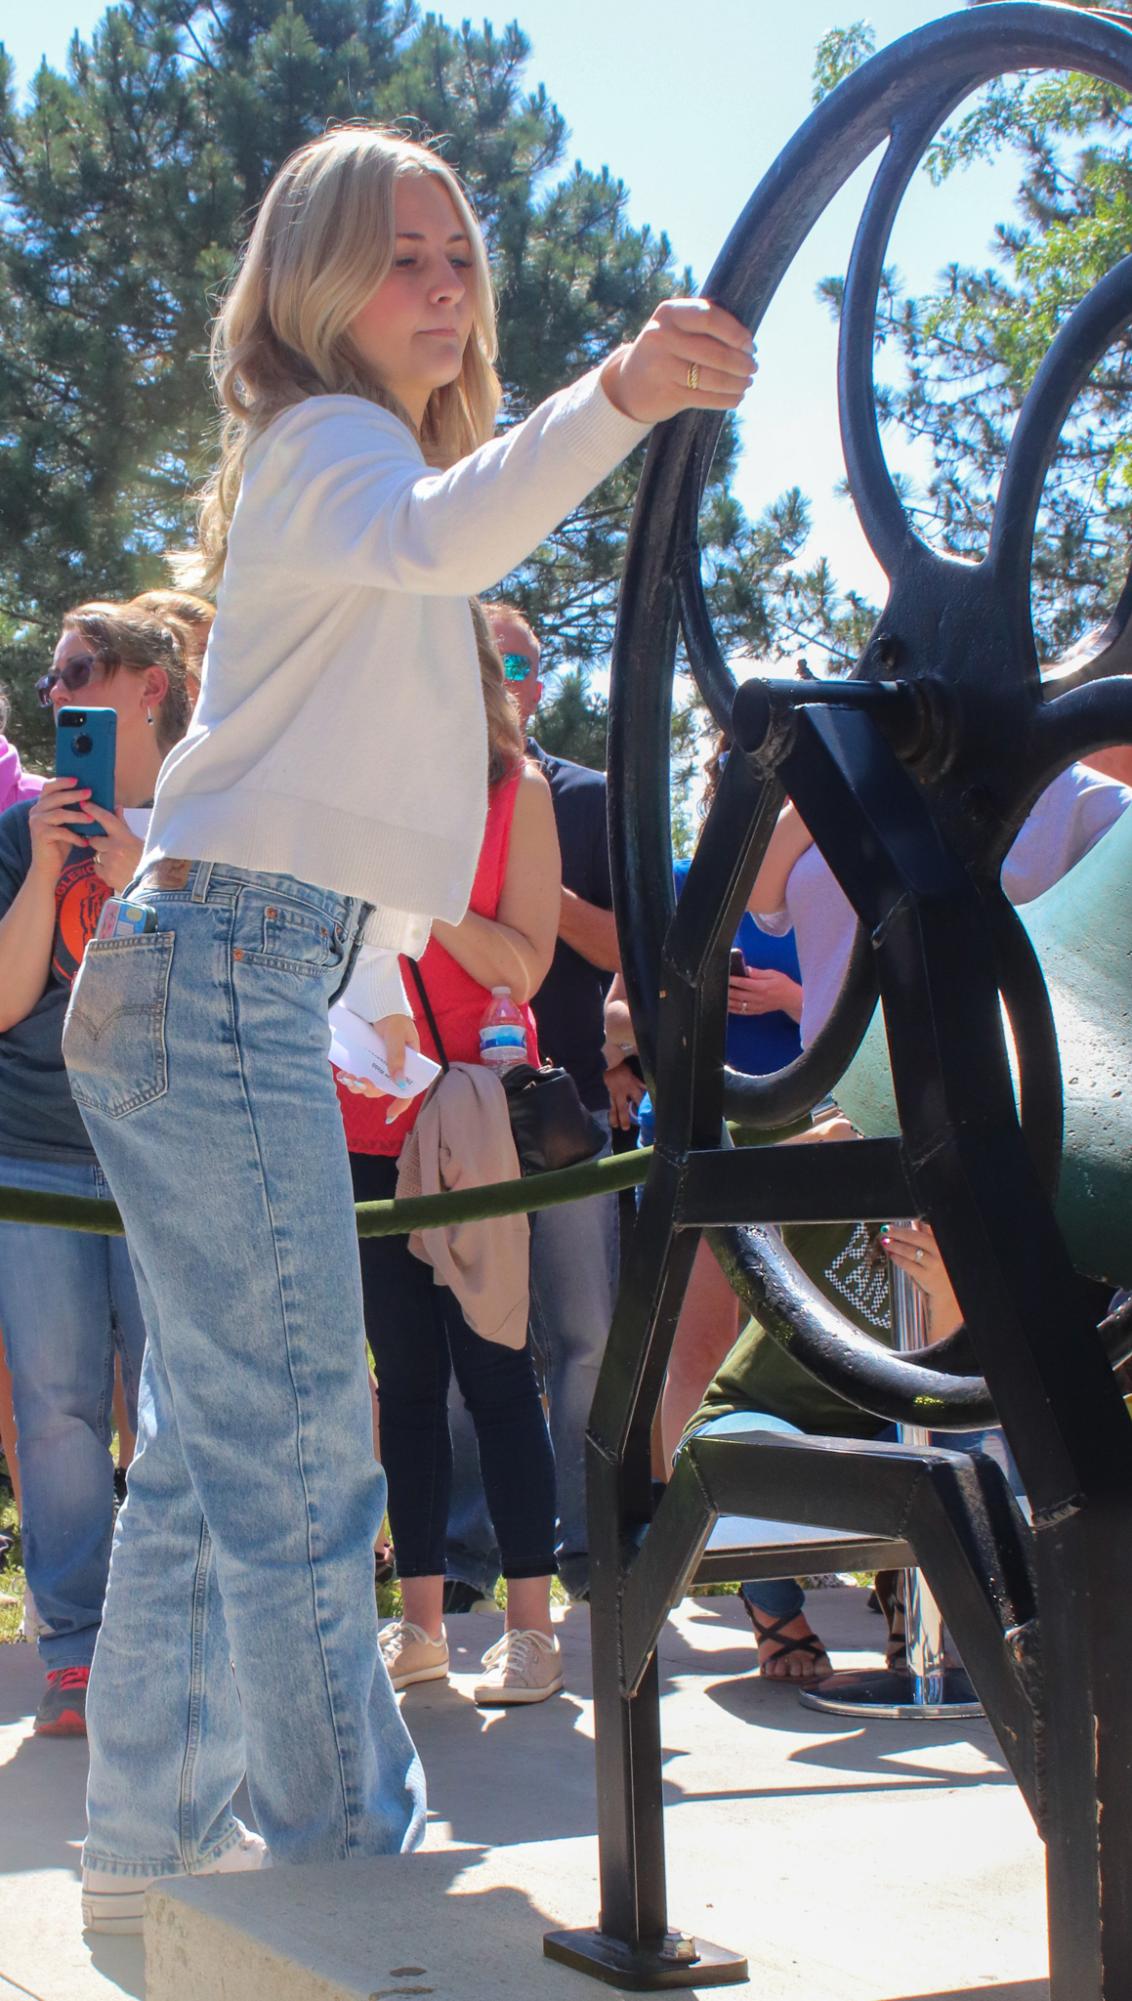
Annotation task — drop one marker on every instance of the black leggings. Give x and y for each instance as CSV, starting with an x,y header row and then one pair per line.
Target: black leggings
x,y
419,1336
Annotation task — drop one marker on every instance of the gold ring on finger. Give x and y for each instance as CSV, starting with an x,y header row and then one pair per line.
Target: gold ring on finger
x,y
693,375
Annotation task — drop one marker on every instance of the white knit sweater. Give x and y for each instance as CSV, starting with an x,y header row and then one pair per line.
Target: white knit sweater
x,y
340,732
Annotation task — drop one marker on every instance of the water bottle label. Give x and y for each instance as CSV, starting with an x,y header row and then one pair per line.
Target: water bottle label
x,y
502,1035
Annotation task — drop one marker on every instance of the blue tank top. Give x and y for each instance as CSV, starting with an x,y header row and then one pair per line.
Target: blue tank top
x,y
758,1043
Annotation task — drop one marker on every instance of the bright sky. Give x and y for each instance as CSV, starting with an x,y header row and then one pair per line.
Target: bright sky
x,y
689,104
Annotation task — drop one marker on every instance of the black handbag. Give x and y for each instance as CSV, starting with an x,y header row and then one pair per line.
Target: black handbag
x,y
549,1123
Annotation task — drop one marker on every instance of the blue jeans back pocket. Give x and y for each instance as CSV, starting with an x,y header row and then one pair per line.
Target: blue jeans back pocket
x,y
114,1034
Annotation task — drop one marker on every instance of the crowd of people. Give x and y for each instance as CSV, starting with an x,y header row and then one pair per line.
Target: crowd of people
x,y
328,791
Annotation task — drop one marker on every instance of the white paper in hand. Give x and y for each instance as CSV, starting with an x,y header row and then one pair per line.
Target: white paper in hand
x,y
357,1048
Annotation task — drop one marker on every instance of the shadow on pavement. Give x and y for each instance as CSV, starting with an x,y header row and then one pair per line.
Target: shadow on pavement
x,y
888,1750
48,1780
121,1960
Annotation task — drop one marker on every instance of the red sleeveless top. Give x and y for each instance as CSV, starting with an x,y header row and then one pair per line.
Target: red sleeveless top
x,y
458,1002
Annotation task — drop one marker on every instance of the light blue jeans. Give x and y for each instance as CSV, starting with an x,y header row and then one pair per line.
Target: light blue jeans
x,y
574,1259
67,1302
240,1623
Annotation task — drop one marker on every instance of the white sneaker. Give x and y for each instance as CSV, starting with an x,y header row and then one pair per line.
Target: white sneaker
x,y
114,1903
524,1666
410,1654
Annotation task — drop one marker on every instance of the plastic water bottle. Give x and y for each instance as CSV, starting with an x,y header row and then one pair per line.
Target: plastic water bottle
x,y
503,1032
646,1122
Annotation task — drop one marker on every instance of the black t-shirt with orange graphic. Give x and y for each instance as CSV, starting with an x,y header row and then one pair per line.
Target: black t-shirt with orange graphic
x,y
38,1116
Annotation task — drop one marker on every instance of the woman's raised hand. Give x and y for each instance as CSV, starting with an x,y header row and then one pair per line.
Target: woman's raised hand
x,y
61,801
692,355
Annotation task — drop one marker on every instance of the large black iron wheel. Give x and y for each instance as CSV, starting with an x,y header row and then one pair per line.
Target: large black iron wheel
x,y
948,689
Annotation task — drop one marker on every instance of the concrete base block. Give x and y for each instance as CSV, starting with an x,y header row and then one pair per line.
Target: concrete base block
x,y
451,1924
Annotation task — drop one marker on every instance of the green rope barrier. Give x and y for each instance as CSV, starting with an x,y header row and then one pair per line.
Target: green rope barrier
x,y
377,1219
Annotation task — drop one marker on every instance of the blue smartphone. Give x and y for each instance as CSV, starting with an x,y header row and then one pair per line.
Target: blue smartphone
x,y
85,746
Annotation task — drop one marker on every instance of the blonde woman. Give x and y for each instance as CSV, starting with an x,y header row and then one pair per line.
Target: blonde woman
x,y
326,807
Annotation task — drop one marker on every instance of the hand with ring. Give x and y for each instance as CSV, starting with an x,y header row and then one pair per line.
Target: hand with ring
x,y
692,354
117,851
759,991
913,1247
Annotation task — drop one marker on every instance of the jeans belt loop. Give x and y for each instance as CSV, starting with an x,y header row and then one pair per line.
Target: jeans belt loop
x,y
201,881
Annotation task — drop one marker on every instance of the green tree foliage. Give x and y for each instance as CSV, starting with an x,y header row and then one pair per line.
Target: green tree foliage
x,y
839,53
571,721
971,346
127,185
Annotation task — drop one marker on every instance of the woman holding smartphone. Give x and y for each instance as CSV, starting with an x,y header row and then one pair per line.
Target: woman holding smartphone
x,y
68,1299
330,795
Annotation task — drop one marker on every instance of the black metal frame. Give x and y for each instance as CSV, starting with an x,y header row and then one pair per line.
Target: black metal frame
x,y
913,778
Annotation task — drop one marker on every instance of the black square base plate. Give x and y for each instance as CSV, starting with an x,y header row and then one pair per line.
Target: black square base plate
x,y
676,1962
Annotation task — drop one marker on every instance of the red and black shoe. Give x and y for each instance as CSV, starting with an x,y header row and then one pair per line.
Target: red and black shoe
x,y
62,1708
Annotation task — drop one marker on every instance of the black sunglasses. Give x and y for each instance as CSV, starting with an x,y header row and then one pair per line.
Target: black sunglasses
x,y
74,674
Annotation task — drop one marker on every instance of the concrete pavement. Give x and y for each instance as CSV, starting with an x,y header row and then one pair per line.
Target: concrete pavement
x,y
879,1862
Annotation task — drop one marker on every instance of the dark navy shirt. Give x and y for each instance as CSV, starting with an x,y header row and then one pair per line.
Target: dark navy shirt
x,y
758,1043
38,1116
569,1006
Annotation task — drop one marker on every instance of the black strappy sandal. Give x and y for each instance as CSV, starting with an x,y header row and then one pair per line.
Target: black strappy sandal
x,y
769,1631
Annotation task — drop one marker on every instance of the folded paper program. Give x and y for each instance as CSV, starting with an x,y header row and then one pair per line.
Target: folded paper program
x,y
357,1049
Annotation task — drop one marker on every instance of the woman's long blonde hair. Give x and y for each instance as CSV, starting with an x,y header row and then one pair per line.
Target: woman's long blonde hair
x,y
323,241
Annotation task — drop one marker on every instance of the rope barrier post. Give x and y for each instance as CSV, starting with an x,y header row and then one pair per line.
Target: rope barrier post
x,y
929,1689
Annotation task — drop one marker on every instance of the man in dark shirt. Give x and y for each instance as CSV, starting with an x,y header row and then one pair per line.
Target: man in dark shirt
x,y
574,1246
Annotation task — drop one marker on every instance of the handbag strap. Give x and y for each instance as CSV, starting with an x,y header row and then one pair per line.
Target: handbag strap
x,y
418,980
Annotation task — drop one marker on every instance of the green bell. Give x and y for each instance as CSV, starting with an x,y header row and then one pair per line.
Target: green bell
x,y
1081,930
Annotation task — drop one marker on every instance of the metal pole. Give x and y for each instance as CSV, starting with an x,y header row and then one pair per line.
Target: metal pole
x,y
925,1635
927,1690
